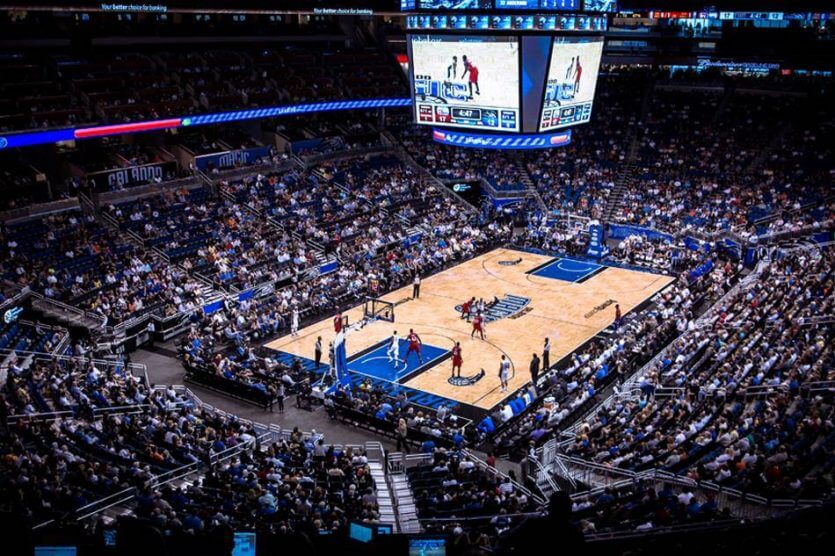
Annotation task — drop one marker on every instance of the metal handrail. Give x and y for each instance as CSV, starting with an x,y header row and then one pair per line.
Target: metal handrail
x,y
626,477
492,470
46,416
136,369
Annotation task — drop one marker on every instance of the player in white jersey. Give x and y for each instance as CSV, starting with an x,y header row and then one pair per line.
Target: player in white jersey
x,y
394,348
504,372
294,323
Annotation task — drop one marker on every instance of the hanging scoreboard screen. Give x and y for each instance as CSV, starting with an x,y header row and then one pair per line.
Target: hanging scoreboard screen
x,y
466,81
571,82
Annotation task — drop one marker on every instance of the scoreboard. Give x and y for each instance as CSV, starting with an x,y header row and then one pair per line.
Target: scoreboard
x,y
503,83
471,5
473,67
466,81
601,6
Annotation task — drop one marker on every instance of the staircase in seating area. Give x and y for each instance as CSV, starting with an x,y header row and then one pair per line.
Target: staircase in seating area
x,y
401,491
384,495
530,186
625,180
627,174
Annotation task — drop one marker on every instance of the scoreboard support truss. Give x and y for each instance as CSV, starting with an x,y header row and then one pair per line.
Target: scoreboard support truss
x,y
375,308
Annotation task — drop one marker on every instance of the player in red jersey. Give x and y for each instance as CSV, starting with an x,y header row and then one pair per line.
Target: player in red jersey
x,y
471,68
578,73
337,323
466,308
414,345
457,360
478,326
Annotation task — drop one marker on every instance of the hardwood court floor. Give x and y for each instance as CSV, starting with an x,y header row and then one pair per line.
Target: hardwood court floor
x,y
567,312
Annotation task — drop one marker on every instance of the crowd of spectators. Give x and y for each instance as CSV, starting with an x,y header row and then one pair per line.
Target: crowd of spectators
x,y
155,82
47,385
713,163
71,257
55,467
742,411
420,425
296,484
453,485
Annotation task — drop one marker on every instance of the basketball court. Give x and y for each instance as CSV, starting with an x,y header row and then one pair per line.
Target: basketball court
x,y
539,296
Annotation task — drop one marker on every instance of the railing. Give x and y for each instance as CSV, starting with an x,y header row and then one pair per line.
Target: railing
x,y
121,409
763,391
542,474
64,413
17,298
235,173
668,391
63,307
136,369
20,214
816,387
46,416
669,529
175,474
481,518
141,191
63,332
496,473
351,153
104,504
742,504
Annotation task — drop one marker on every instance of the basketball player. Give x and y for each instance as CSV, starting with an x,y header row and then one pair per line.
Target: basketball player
x,y
570,70
504,372
294,322
471,68
337,322
457,360
478,326
452,69
466,308
394,348
414,345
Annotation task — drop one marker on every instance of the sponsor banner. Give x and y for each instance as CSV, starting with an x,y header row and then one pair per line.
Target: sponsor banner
x,y
231,159
327,268
112,180
263,290
502,142
212,307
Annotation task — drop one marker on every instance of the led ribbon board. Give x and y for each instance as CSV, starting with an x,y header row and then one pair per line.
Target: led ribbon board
x,y
27,139
502,142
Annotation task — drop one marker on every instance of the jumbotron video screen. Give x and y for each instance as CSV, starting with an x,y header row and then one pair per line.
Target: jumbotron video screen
x,y
468,82
572,79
